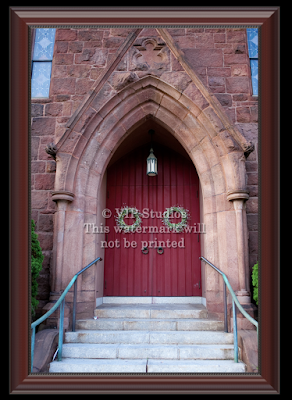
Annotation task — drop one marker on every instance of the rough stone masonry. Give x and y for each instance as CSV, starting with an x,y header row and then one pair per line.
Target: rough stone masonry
x,y
219,56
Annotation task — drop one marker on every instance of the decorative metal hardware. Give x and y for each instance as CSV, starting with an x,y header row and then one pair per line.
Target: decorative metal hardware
x,y
145,250
160,250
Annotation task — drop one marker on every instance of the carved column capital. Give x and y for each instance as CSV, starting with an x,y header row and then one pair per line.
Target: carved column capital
x,y
237,194
62,195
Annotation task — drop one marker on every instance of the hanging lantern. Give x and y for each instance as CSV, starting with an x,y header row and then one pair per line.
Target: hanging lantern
x,y
151,160
151,164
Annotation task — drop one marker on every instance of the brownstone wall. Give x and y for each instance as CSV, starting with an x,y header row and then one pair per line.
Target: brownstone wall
x,y
220,58
43,169
218,55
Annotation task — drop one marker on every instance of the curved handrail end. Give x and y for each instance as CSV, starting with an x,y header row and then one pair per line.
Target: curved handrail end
x,y
233,295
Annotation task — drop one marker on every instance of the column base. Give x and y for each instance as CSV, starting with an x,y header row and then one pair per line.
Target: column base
x,y
242,321
243,296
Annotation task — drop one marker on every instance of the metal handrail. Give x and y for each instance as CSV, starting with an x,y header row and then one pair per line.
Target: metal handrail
x,y
234,301
61,303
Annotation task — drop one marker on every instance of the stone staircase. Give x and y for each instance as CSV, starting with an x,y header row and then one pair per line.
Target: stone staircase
x,y
149,335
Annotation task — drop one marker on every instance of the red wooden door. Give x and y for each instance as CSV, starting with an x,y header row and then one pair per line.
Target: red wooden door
x,y
176,272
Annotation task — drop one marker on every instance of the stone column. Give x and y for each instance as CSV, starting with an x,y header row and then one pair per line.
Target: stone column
x,y
62,198
239,197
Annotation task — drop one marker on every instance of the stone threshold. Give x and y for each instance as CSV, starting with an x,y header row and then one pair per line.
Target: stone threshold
x,y
150,300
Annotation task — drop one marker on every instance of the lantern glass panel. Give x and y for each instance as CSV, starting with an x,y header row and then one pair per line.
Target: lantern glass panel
x,y
151,164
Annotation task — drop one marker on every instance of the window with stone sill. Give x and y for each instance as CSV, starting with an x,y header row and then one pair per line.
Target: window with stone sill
x,y
253,47
41,66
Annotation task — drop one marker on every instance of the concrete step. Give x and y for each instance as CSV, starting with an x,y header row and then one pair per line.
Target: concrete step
x,y
151,324
68,365
154,351
151,337
203,366
84,365
161,311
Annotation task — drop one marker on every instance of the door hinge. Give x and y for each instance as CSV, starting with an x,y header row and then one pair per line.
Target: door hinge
x,y
198,237
107,194
105,283
199,283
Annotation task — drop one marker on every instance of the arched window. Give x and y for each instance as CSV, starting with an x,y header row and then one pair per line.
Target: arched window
x,y
252,41
42,57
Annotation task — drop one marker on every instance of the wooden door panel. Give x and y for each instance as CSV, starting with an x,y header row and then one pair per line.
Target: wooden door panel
x,y
176,272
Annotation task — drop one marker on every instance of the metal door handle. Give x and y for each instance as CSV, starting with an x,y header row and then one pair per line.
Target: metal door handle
x,y
160,250
145,250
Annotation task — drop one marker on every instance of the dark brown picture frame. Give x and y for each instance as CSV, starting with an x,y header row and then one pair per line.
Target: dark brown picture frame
x,y
268,379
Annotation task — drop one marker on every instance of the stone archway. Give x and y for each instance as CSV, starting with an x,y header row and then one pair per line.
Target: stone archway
x,y
216,149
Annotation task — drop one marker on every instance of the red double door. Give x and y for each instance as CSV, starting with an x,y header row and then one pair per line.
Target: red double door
x,y
175,270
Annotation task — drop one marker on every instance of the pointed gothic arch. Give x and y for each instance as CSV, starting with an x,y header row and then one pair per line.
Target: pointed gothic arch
x,y
201,132
214,145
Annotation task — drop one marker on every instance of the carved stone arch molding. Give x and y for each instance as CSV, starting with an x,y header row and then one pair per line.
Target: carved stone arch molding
x,y
200,124
201,132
